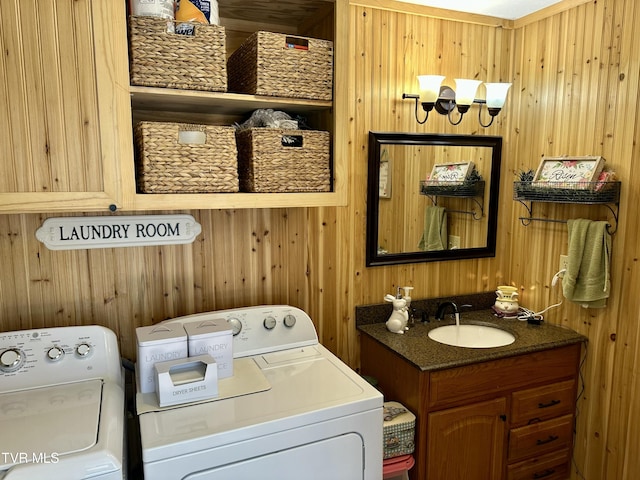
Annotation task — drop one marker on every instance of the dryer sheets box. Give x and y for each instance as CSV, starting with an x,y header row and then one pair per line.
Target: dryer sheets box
x,y
186,380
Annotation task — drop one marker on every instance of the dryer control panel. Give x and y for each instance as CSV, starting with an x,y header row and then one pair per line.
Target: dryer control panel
x,y
262,329
51,356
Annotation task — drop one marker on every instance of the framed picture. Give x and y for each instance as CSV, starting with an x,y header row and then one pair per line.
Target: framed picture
x,y
450,172
568,172
385,179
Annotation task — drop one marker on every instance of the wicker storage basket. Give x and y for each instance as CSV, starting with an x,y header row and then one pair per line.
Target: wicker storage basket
x,y
165,165
282,65
159,58
398,433
276,160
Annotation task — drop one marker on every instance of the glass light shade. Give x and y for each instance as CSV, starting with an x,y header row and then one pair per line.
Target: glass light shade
x,y
496,94
466,91
430,87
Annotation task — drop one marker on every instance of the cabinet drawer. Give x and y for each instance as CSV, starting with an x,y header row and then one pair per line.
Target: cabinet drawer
x,y
553,466
447,387
542,403
542,437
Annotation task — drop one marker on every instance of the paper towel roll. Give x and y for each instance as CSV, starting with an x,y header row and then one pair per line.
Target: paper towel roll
x,y
214,16
152,8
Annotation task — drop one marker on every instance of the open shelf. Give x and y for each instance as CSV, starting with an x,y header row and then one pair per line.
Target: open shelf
x,y
587,193
325,19
471,190
175,100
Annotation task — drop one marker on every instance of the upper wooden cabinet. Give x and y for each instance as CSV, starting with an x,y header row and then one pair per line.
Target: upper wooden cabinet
x,y
66,122
65,140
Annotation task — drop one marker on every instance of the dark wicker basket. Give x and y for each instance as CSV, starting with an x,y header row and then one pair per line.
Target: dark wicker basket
x,y
165,165
275,160
452,189
565,192
281,65
159,58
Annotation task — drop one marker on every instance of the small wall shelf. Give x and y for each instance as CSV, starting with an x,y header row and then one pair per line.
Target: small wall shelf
x,y
587,193
472,190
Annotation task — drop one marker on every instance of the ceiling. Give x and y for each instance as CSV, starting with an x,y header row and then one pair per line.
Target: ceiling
x,y
508,9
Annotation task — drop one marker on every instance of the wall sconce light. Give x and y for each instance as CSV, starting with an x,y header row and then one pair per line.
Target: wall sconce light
x,y
444,99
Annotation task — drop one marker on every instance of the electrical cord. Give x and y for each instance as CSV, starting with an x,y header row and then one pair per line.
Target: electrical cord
x,y
526,315
575,420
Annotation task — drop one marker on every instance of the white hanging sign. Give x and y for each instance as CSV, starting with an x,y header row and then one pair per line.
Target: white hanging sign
x,y
74,233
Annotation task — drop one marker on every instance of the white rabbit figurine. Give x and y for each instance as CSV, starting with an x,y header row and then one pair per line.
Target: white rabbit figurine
x,y
399,318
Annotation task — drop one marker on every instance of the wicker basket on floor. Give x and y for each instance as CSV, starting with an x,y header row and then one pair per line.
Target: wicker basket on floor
x,y
159,58
276,160
282,65
165,165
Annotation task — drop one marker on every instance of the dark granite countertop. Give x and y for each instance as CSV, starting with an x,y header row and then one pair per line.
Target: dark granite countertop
x,y
428,355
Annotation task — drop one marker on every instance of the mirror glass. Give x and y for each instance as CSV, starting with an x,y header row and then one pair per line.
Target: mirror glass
x,y
431,197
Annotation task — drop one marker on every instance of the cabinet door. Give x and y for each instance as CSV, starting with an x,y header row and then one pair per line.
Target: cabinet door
x,y
467,443
65,121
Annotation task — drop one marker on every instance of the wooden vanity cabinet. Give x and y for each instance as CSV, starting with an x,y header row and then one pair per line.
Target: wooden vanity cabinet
x,y
510,418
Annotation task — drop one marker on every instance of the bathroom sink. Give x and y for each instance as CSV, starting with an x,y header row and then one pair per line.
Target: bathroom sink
x,y
472,336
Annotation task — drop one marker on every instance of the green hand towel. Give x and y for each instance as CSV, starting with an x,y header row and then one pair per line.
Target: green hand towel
x,y
434,236
586,280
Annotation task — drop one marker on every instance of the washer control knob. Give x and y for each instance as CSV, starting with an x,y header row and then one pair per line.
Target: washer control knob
x,y
236,325
83,350
55,353
289,321
11,360
269,323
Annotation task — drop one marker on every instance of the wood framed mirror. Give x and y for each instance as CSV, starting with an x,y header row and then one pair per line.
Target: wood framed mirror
x,y
431,197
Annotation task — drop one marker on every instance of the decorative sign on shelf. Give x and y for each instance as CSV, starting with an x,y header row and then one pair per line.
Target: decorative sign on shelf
x,y
74,233
568,172
451,172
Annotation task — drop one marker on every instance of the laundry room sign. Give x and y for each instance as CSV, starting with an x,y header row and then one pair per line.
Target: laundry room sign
x,y
74,233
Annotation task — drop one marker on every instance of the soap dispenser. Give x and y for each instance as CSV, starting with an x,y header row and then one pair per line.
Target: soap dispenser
x,y
397,322
407,297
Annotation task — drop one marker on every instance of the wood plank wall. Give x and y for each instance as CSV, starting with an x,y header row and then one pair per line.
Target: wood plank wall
x,y
575,91
576,77
388,49
242,257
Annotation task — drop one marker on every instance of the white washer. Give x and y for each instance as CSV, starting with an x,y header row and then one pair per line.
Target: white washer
x,y
317,419
61,404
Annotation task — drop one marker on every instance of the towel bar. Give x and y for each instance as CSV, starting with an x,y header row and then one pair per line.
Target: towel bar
x,y
473,213
527,220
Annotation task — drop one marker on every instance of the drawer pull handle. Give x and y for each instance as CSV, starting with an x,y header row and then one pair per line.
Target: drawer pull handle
x,y
544,473
550,404
552,438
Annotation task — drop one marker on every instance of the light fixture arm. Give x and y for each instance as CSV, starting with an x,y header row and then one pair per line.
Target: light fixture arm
x,y
425,106
452,105
492,113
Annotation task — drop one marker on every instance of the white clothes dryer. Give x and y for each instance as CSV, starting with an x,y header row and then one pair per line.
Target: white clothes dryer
x,y
313,416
